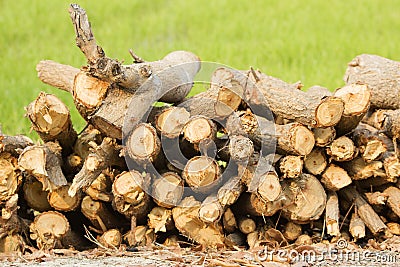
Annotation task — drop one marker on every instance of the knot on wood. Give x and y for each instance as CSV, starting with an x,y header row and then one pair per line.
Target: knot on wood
x,y
145,71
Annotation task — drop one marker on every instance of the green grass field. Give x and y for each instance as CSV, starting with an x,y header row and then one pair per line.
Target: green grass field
x,y
311,41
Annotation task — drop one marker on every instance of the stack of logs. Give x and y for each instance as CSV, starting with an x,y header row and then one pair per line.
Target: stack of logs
x,y
324,166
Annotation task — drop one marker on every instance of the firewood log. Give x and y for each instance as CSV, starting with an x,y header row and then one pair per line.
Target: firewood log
x,y
187,221
382,77
299,106
324,136
357,226
358,169
315,163
160,219
371,143
292,231
332,214
170,121
305,199
44,163
10,176
101,157
237,148
199,128
13,243
100,188
34,195
394,228
254,205
246,225
334,178
14,144
393,199
111,238
364,210
342,149
167,190
88,136
230,191
130,197
391,164
211,209
60,200
291,166
51,119
229,221
356,98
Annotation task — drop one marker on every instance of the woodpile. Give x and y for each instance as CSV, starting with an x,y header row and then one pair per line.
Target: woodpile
x,y
324,166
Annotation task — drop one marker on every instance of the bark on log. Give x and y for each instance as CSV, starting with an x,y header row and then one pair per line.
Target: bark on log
x,y
167,190
358,169
100,188
342,149
189,224
334,178
14,144
381,75
324,136
101,157
299,106
44,163
34,195
57,75
315,163
51,119
202,174
364,210
160,219
356,98
130,197
393,200
60,200
305,199
291,166
10,176
332,213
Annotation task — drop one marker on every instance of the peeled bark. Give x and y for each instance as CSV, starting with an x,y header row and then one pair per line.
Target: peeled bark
x,y
332,214
324,136
101,157
364,210
391,164
342,149
44,163
10,176
315,163
130,197
189,224
305,199
334,178
51,119
287,101
382,77
376,198
291,166
167,190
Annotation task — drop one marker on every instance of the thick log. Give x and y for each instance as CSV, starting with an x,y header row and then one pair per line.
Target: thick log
x,y
229,221
101,157
291,166
382,77
130,197
334,178
51,119
332,213
34,195
143,144
160,219
187,221
111,238
57,75
364,210
358,169
324,136
167,190
202,174
14,144
44,163
342,149
170,121
60,200
211,209
10,176
298,105
315,163
356,98
305,199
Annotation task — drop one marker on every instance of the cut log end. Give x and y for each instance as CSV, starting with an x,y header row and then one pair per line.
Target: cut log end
x,y
329,112
324,136
168,190
315,162
199,128
60,200
334,178
342,149
143,143
291,166
201,172
170,121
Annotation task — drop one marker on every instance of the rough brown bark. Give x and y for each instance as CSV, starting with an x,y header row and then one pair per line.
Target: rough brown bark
x,y
101,157
364,210
342,149
44,163
287,101
305,199
324,136
315,163
382,77
51,119
334,178
371,143
291,166
332,213
130,197
356,98
57,75
14,144
358,169
167,190
13,243
187,221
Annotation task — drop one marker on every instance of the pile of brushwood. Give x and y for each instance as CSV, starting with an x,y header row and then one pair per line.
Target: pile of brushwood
x,y
252,161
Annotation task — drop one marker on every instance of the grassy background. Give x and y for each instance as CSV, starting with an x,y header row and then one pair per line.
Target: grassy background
x,y
311,41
